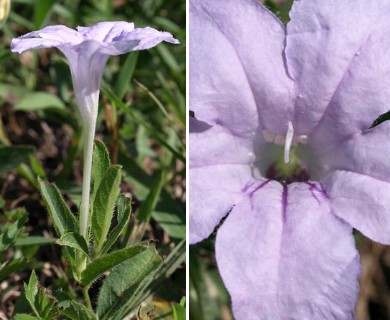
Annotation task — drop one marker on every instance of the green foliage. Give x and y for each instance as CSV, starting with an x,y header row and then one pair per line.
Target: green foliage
x,y
36,101
12,156
105,263
179,310
75,241
123,217
63,219
147,207
41,303
121,287
103,205
101,163
75,311
143,127
10,234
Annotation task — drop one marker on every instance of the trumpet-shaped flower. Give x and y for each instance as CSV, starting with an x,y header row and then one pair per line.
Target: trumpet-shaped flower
x,y
282,145
87,51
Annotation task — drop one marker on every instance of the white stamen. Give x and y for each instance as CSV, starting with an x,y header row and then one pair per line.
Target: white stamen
x,y
288,141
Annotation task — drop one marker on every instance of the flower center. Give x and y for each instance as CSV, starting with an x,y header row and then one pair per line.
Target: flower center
x,y
288,167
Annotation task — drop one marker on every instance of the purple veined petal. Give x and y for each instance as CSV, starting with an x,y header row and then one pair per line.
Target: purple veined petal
x,y
214,190
221,168
362,201
106,31
366,152
322,47
235,61
284,255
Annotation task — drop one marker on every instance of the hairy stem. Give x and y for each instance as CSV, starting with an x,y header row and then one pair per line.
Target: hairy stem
x,y
87,298
89,135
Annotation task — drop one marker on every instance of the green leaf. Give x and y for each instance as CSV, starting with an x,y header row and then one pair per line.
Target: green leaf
x,y
179,312
12,156
63,220
39,101
33,241
76,311
110,95
105,263
124,77
15,265
103,205
37,167
123,283
41,303
123,216
24,316
41,11
8,237
101,163
75,241
31,290
150,202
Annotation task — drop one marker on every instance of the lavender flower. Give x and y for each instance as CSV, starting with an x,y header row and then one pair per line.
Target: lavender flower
x,y
87,51
282,145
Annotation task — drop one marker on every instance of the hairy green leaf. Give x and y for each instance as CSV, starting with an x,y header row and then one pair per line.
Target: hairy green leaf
x,y
101,163
105,263
123,216
76,311
75,241
63,220
103,205
123,283
41,303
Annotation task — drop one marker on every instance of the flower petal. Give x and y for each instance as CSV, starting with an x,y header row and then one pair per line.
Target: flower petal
x,y
216,144
236,65
362,201
106,31
366,152
51,36
213,192
283,255
323,45
138,39
362,95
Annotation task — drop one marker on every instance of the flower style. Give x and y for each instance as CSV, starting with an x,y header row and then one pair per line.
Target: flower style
x,y
282,144
87,51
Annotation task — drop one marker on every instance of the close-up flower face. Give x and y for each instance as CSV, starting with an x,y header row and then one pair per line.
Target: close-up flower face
x,y
282,145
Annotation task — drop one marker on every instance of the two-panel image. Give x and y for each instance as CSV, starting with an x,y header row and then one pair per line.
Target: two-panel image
x,y
199,159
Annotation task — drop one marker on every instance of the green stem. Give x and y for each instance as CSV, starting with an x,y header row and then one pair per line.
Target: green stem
x,y
89,135
87,298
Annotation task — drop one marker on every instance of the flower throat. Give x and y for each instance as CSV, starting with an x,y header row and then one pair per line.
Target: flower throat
x,y
288,168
